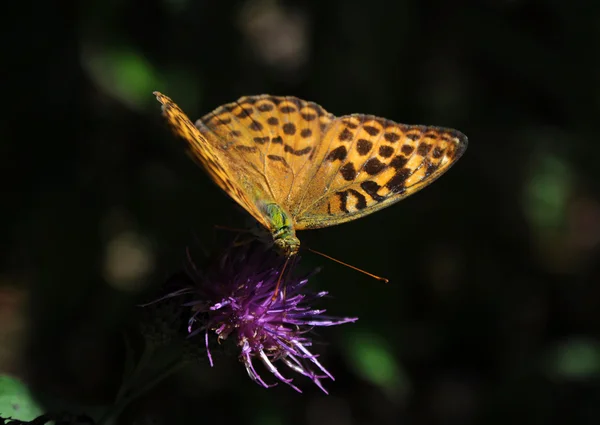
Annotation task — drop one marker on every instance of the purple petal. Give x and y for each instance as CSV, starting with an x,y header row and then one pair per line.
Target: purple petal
x,y
210,360
313,359
275,372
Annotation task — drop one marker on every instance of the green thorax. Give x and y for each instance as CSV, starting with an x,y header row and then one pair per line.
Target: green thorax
x,y
282,229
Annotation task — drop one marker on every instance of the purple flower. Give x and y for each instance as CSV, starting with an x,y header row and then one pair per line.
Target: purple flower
x,y
234,298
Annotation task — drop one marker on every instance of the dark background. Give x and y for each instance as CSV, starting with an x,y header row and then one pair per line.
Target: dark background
x,y
492,313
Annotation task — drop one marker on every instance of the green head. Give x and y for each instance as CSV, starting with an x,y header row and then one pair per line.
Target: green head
x,y
284,236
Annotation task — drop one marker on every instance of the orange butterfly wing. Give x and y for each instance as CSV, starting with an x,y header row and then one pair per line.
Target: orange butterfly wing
x,y
365,163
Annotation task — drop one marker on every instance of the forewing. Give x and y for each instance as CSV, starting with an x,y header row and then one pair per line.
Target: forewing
x,y
365,163
276,136
229,171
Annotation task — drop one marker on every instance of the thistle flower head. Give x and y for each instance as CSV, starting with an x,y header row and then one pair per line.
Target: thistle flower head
x,y
234,298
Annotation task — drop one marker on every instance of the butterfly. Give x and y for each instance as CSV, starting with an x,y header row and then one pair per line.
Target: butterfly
x,y
294,166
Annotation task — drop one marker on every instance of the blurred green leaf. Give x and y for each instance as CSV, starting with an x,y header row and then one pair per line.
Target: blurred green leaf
x,y
124,73
375,362
16,401
575,359
548,190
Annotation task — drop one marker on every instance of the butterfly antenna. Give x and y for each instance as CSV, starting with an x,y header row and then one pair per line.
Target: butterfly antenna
x,y
276,293
382,279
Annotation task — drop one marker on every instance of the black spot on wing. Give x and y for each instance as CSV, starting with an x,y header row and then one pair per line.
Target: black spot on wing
x,y
391,137
287,109
256,126
431,168
297,152
348,172
371,188
265,107
222,121
424,149
245,112
278,159
243,148
397,183
345,135
407,149
361,201
398,162
374,166
386,151
373,131
289,129
261,140
338,153
363,146
306,132
343,201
